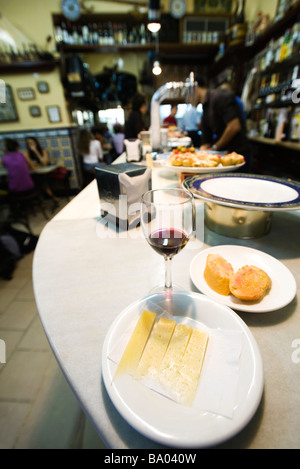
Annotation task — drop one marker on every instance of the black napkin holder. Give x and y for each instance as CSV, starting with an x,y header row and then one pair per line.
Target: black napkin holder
x,y
120,187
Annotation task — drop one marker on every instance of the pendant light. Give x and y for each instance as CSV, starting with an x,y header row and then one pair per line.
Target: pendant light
x,y
156,70
154,16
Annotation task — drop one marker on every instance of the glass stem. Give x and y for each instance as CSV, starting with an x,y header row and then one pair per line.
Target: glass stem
x,y
168,273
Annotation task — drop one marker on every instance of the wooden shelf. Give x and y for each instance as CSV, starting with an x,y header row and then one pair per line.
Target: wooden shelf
x,y
241,53
28,67
271,141
169,48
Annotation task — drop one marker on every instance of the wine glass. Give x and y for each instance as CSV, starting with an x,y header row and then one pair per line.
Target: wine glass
x,y
167,219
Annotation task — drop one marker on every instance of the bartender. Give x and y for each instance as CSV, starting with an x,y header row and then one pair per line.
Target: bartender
x,y
223,127
135,122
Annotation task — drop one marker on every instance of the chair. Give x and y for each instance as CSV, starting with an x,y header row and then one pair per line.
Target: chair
x,y
21,205
60,181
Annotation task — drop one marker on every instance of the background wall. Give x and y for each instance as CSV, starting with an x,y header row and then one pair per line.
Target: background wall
x,y
33,18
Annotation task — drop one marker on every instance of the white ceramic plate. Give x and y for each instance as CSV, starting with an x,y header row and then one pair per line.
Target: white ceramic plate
x,y
246,191
162,419
283,289
192,170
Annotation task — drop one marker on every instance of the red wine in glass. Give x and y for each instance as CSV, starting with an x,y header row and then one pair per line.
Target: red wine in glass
x,y
168,241
167,219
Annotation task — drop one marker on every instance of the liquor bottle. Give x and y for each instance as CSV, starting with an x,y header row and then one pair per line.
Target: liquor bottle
x,y
58,32
239,15
85,34
100,34
268,125
142,34
95,33
120,34
65,35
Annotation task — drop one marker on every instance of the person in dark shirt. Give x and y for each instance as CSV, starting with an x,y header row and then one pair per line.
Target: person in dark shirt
x,y
135,123
171,119
223,127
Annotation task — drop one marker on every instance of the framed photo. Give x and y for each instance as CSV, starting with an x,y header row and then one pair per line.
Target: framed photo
x,y
26,93
53,114
42,87
8,111
35,111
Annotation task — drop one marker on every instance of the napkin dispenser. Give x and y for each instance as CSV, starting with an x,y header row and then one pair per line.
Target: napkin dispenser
x,y
133,149
120,188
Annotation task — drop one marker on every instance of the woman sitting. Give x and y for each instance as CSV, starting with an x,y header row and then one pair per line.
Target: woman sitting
x,y
18,169
38,156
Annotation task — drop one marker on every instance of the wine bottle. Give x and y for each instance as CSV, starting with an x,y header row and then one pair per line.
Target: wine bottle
x,y
239,15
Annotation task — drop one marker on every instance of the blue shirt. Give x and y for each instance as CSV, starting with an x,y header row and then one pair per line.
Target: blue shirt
x,y
191,119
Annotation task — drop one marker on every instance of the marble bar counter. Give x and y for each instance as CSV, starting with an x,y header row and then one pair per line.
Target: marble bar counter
x,y
85,274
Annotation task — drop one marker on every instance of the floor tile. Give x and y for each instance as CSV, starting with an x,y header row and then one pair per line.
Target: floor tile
x,y
26,293
11,339
18,315
22,375
54,416
35,337
6,297
12,417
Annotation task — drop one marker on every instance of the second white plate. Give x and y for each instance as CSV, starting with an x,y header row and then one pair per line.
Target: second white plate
x,y
162,419
283,289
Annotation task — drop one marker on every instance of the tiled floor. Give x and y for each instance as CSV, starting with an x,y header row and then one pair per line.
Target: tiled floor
x,y
37,407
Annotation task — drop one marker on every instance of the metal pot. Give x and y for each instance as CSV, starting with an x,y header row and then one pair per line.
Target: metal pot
x,y
237,223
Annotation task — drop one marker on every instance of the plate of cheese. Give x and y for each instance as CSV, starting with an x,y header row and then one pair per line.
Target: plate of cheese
x,y
245,279
182,369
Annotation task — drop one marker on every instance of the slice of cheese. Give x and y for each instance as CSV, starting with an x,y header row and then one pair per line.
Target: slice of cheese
x,y
156,348
171,361
188,374
136,344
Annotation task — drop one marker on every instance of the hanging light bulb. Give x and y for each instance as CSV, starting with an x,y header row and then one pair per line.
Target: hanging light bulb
x,y
154,16
156,70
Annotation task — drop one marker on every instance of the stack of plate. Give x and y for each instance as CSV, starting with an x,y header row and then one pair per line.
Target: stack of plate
x,y
242,205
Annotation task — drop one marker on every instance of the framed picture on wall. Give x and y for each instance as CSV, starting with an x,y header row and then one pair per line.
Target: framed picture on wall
x,y
53,113
42,86
35,111
213,6
26,93
8,111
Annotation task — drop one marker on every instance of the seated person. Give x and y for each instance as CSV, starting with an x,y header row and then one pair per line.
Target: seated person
x,y
38,156
118,139
90,149
171,120
102,134
17,166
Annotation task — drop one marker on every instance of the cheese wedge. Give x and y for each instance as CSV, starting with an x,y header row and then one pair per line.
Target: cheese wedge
x,y
136,344
156,348
187,378
171,361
